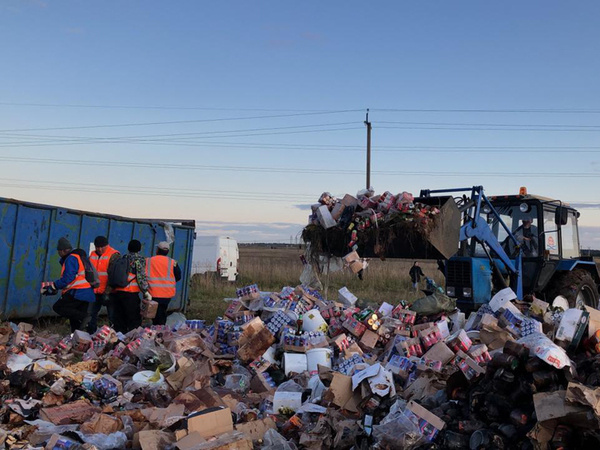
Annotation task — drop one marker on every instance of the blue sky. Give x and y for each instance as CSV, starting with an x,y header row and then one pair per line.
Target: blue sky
x,y
291,81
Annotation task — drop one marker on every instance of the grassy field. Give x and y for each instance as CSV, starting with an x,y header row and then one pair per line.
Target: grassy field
x,y
274,268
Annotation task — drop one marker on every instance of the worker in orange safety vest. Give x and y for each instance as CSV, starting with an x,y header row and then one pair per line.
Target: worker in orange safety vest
x,y
77,293
162,274
101,257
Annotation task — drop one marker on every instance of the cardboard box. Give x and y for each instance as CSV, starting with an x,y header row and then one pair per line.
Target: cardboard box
x,y
153,440
346,297
59,442
584,395
429,424
439,352
254,340
102,423
234,440
572,326
81,341
210,422
149,308
337,211
354,326
349,200
369,339
76,412
256,429
355,263
259,384
468,366
341,390
553,405
501,299
325,218
342,342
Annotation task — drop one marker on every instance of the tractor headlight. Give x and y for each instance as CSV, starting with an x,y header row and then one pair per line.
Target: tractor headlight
x,y
524,207
467,292
450,291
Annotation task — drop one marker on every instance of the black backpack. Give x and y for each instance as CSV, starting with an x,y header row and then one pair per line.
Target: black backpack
x,y
118,272
91,274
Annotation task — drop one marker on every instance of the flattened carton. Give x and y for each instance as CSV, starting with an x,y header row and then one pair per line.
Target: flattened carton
x,y
429,424
210,422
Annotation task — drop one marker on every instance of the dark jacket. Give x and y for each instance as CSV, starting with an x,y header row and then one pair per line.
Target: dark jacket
x,y
71,268
416,273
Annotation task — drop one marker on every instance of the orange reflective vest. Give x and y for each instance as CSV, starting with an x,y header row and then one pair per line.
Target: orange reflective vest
x,y
161,276
101,265
79,282
131,287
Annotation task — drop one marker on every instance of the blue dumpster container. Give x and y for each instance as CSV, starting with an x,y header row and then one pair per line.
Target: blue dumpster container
x,y
28,236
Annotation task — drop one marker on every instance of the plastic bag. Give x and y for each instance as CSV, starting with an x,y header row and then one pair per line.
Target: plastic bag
x,y
154,357
239,380
128,427
289,386
546,350
397,430
317,388
48,428
105,441
433,304
125,370
18,362
175,320
310,278
272,440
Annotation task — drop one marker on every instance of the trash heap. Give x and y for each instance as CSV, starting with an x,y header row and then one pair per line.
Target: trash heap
x,y
292,370
367,220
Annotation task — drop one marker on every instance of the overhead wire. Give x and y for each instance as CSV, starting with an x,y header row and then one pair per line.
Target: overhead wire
x,y
177,122
315,170
400,110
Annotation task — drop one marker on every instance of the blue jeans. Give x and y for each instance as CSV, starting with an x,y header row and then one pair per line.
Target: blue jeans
x,y
95,309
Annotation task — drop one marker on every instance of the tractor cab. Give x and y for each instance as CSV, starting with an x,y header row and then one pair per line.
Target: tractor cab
x,y
546,233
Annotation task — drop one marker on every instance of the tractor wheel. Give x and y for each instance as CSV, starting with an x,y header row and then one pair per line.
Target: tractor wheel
x,y
577,286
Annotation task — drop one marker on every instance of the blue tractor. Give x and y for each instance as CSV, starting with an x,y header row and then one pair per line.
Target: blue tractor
x,y
527,242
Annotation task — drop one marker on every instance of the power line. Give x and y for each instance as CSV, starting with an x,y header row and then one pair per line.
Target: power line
x,y
182,108
483,129
168,192
533,110
148,190
173,135
317,170
222,119
163,142
401,110
488,124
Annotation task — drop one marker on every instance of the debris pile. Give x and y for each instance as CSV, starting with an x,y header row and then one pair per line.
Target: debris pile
x,y
366,221
295,370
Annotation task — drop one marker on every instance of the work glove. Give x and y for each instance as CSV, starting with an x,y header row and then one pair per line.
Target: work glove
x,y
147,296
48,288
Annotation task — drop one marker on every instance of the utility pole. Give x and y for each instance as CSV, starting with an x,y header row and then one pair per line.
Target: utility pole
x,y
368,124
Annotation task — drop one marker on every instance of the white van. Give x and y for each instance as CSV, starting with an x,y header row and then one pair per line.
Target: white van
x,y
216,254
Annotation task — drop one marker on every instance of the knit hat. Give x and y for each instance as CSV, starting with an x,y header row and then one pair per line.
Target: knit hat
x,y
100,241
164,245
134,246
64,244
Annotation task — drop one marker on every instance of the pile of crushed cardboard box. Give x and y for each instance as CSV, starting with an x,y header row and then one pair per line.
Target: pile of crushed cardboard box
x,y
293,370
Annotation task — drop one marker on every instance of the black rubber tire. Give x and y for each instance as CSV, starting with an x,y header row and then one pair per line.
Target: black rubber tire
x,y
571,284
